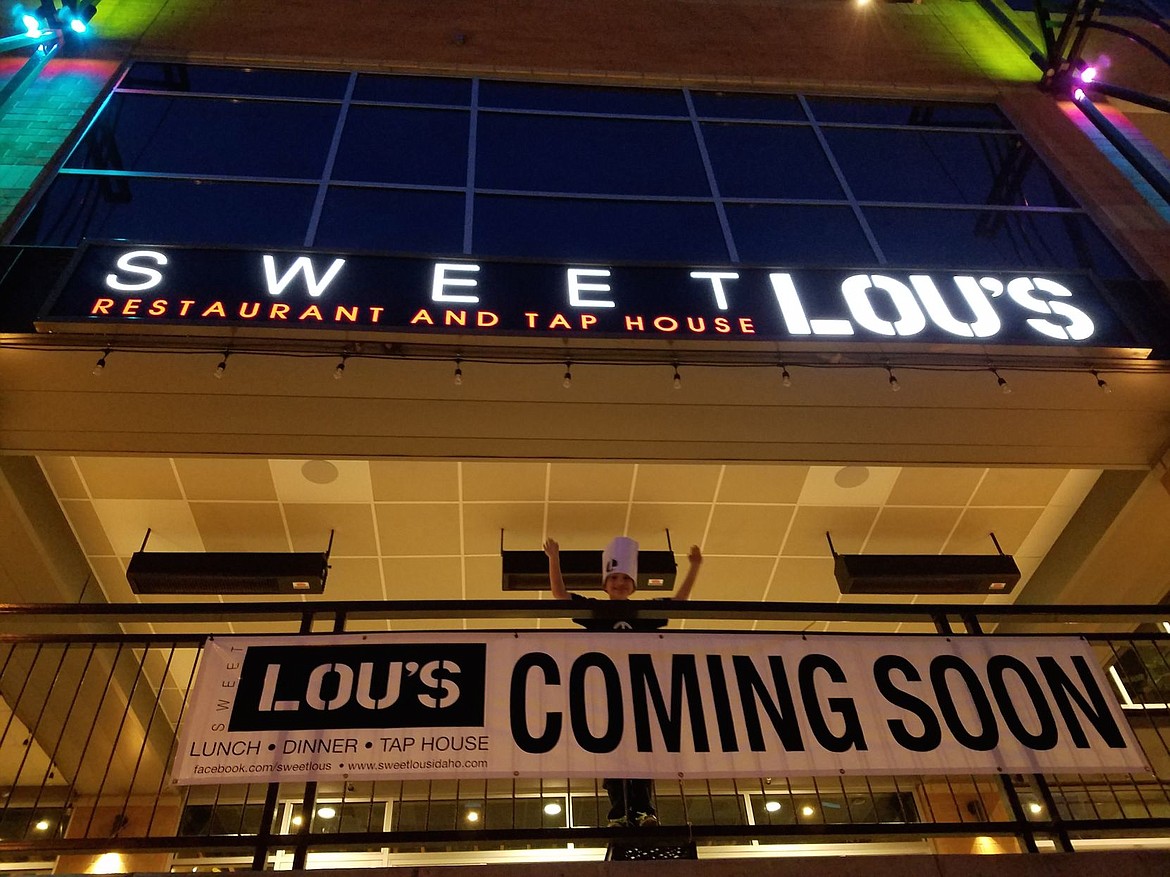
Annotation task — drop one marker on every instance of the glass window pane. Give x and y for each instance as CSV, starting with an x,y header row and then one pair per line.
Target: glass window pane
x,y
79,206
769,161
581,99
413,89
701,810
895,112
550,228
588,156
235,80
942,168
143,132
406,221
392,145
798,234
730,105
993,239
222,819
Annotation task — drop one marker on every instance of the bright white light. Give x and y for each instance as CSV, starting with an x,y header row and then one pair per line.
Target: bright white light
x,y
327,812
109,863
43,825
78,26
1035,808
1088,74
296,820
473,816
1079,94
806,810
772,806
552,808
32,27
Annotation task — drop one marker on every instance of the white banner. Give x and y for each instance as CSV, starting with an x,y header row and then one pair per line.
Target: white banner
x,y
568,704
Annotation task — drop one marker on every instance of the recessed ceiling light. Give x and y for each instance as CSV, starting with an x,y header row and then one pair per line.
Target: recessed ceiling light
x,y
326,812
552,808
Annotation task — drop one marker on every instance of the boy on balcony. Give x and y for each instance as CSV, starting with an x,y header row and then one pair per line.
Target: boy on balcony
x,y
629,799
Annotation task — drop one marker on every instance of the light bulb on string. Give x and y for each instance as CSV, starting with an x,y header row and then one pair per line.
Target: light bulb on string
x,y
222,367
339,372
1001,381
1102,384
458,373
785,377
568,379
894,385
100,365
677,381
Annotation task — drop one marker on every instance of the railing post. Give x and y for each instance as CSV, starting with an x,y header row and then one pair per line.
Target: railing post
x,y
309,805
1063,841
301,851
1026,834
264,838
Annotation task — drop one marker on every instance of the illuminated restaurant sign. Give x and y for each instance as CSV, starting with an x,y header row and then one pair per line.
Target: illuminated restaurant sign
x,y
172,286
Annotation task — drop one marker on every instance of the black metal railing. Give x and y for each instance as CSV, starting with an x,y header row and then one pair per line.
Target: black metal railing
x,y
93,696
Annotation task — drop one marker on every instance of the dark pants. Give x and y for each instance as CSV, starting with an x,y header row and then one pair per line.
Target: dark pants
x,y
628,797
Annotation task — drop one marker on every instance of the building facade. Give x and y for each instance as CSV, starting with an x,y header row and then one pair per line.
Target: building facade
x,y
428,286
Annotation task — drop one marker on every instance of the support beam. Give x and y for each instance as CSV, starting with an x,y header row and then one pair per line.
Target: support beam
x,y
1140,163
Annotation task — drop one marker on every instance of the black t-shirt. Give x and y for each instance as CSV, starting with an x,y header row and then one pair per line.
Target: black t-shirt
x,y
617,615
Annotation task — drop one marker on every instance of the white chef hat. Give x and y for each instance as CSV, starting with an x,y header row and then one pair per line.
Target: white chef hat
x,y
621,555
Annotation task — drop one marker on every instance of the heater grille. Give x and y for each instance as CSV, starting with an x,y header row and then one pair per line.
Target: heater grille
x,y
164,572
925,573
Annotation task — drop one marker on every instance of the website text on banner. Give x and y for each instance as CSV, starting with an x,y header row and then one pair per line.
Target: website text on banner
x,y
555,703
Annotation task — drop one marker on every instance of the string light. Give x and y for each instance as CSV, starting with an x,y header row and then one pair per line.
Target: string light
x,y
339,372
568,381
1102,384
677,378
785,377
1004,386
100,365
458,373
894,385
222,367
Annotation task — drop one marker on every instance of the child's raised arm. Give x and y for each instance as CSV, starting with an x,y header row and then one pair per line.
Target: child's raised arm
x,y
553,550
695,558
